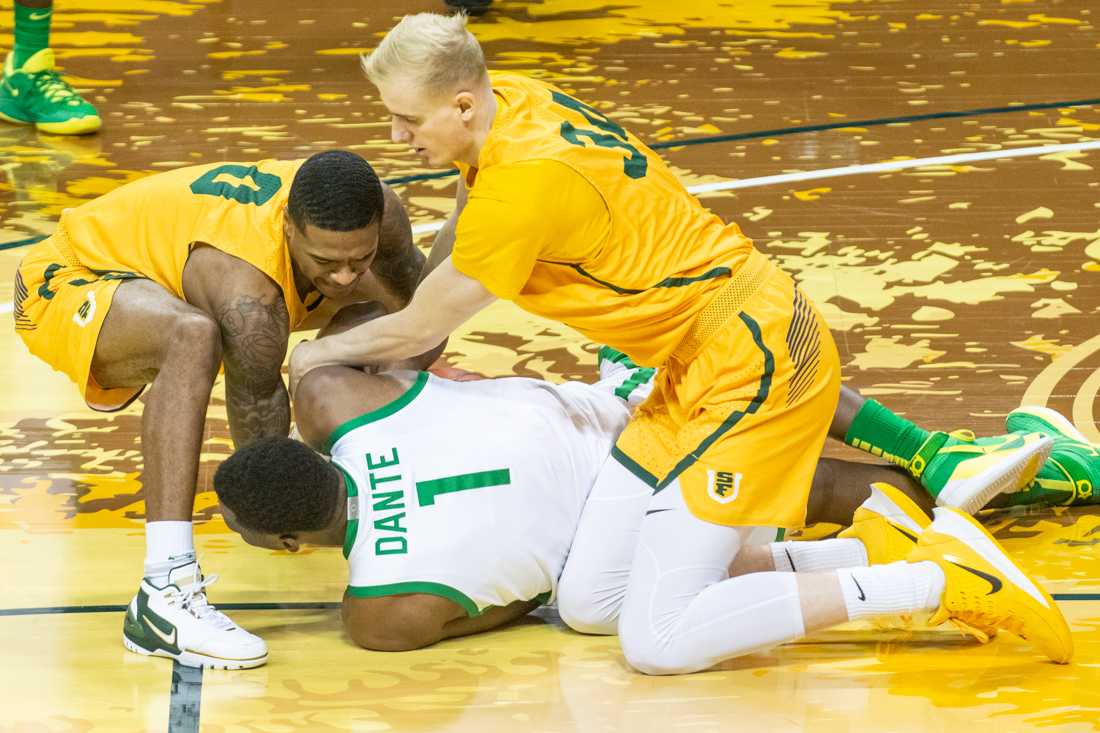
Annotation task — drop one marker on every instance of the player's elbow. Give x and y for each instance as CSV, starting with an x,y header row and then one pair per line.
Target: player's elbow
x,y
383,626
386,642
393,638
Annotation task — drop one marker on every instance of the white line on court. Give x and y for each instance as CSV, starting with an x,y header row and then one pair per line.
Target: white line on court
x,y
852,170
847,170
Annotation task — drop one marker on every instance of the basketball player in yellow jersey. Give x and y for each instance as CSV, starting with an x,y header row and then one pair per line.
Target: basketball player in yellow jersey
x,y
566,214
161,281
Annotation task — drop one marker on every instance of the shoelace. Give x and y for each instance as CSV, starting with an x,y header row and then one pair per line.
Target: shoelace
x,y
51,86
193,600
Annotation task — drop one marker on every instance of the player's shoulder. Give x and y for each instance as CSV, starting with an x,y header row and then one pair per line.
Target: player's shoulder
x,y
332,402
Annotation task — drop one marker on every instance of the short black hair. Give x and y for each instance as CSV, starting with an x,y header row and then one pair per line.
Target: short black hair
x,y
279,486
337,191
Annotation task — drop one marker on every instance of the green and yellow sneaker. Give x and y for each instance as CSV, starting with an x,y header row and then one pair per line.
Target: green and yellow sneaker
x,y
1072,473
35,94
965,472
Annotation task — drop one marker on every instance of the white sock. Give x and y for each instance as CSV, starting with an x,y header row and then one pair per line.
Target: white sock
x,y
163,542
899,587
815,557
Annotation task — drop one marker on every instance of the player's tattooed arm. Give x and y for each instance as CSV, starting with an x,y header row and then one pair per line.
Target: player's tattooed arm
x,y
398,264
254,329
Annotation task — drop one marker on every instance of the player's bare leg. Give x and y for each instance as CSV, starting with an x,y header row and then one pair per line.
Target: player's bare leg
x,y
151,337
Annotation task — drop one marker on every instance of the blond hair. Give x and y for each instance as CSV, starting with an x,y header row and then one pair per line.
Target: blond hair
x,y
437,52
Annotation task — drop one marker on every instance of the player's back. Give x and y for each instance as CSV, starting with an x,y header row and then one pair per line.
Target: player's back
x,y
472,486
150,225
624,253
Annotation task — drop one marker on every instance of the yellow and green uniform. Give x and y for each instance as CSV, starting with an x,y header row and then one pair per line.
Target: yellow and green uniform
x,y
147,229
573,218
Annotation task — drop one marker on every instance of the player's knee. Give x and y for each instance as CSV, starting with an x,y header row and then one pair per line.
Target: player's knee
x,y
651,660
581,611
197,336
648,654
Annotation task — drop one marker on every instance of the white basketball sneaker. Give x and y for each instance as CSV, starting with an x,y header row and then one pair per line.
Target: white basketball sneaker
x,y
177,621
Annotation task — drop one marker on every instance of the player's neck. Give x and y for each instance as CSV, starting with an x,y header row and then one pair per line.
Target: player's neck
x,y
301,283
338,527
482,127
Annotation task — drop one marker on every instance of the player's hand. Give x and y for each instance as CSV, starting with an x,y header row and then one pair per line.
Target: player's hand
x,y
306,357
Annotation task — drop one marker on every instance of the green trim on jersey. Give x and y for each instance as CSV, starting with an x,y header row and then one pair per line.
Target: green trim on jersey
x,y
376,415
668,282
607,353
637,378
353,524
435,589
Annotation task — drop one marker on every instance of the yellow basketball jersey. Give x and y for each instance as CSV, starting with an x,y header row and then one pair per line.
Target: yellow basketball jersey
x,y
148,226
575,219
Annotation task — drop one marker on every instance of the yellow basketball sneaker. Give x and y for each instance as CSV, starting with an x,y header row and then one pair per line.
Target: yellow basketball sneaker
x,y
888,524
35,94
965,472
985,590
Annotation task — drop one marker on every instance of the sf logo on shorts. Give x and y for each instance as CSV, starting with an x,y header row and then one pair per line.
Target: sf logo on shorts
x,y
723,486
86,312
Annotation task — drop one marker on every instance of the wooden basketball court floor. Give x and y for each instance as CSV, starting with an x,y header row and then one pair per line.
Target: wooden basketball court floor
x,y
957,290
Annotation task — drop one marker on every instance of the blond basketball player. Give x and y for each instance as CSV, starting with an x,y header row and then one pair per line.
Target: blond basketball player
x,y
163,280
566,214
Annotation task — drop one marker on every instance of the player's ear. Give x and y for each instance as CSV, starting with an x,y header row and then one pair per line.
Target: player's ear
x,y
290,542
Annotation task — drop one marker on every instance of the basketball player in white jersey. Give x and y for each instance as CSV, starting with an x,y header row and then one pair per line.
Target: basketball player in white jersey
x,y
456,503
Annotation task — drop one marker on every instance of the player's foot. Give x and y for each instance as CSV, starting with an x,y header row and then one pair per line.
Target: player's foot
x,y
965,472
35,94
888,524
985,590
177,621
1072,473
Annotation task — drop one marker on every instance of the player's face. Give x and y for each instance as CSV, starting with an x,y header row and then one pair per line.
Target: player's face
x,y
333,262
251,536
435,126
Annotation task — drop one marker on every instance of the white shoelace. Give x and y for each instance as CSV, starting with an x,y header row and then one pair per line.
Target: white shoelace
x,y
193,600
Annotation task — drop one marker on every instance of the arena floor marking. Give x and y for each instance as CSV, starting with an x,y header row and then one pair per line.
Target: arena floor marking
x,y
784,131
859,169
185,703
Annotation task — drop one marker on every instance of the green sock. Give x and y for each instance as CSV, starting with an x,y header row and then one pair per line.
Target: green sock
x,y
32,32
882,433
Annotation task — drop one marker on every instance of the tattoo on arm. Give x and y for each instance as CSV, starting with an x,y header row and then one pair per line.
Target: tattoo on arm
x,y
398,263
254,342
400,271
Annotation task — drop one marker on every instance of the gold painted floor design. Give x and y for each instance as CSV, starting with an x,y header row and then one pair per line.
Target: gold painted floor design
x,y
956,293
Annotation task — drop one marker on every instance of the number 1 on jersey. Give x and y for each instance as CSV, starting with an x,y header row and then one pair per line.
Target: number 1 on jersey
x,y
426,491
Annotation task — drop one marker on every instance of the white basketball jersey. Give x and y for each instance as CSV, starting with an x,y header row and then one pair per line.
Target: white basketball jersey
x,y
473,490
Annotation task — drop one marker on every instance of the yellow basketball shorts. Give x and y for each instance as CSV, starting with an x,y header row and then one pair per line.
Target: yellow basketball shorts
x,y
59,311
739,415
